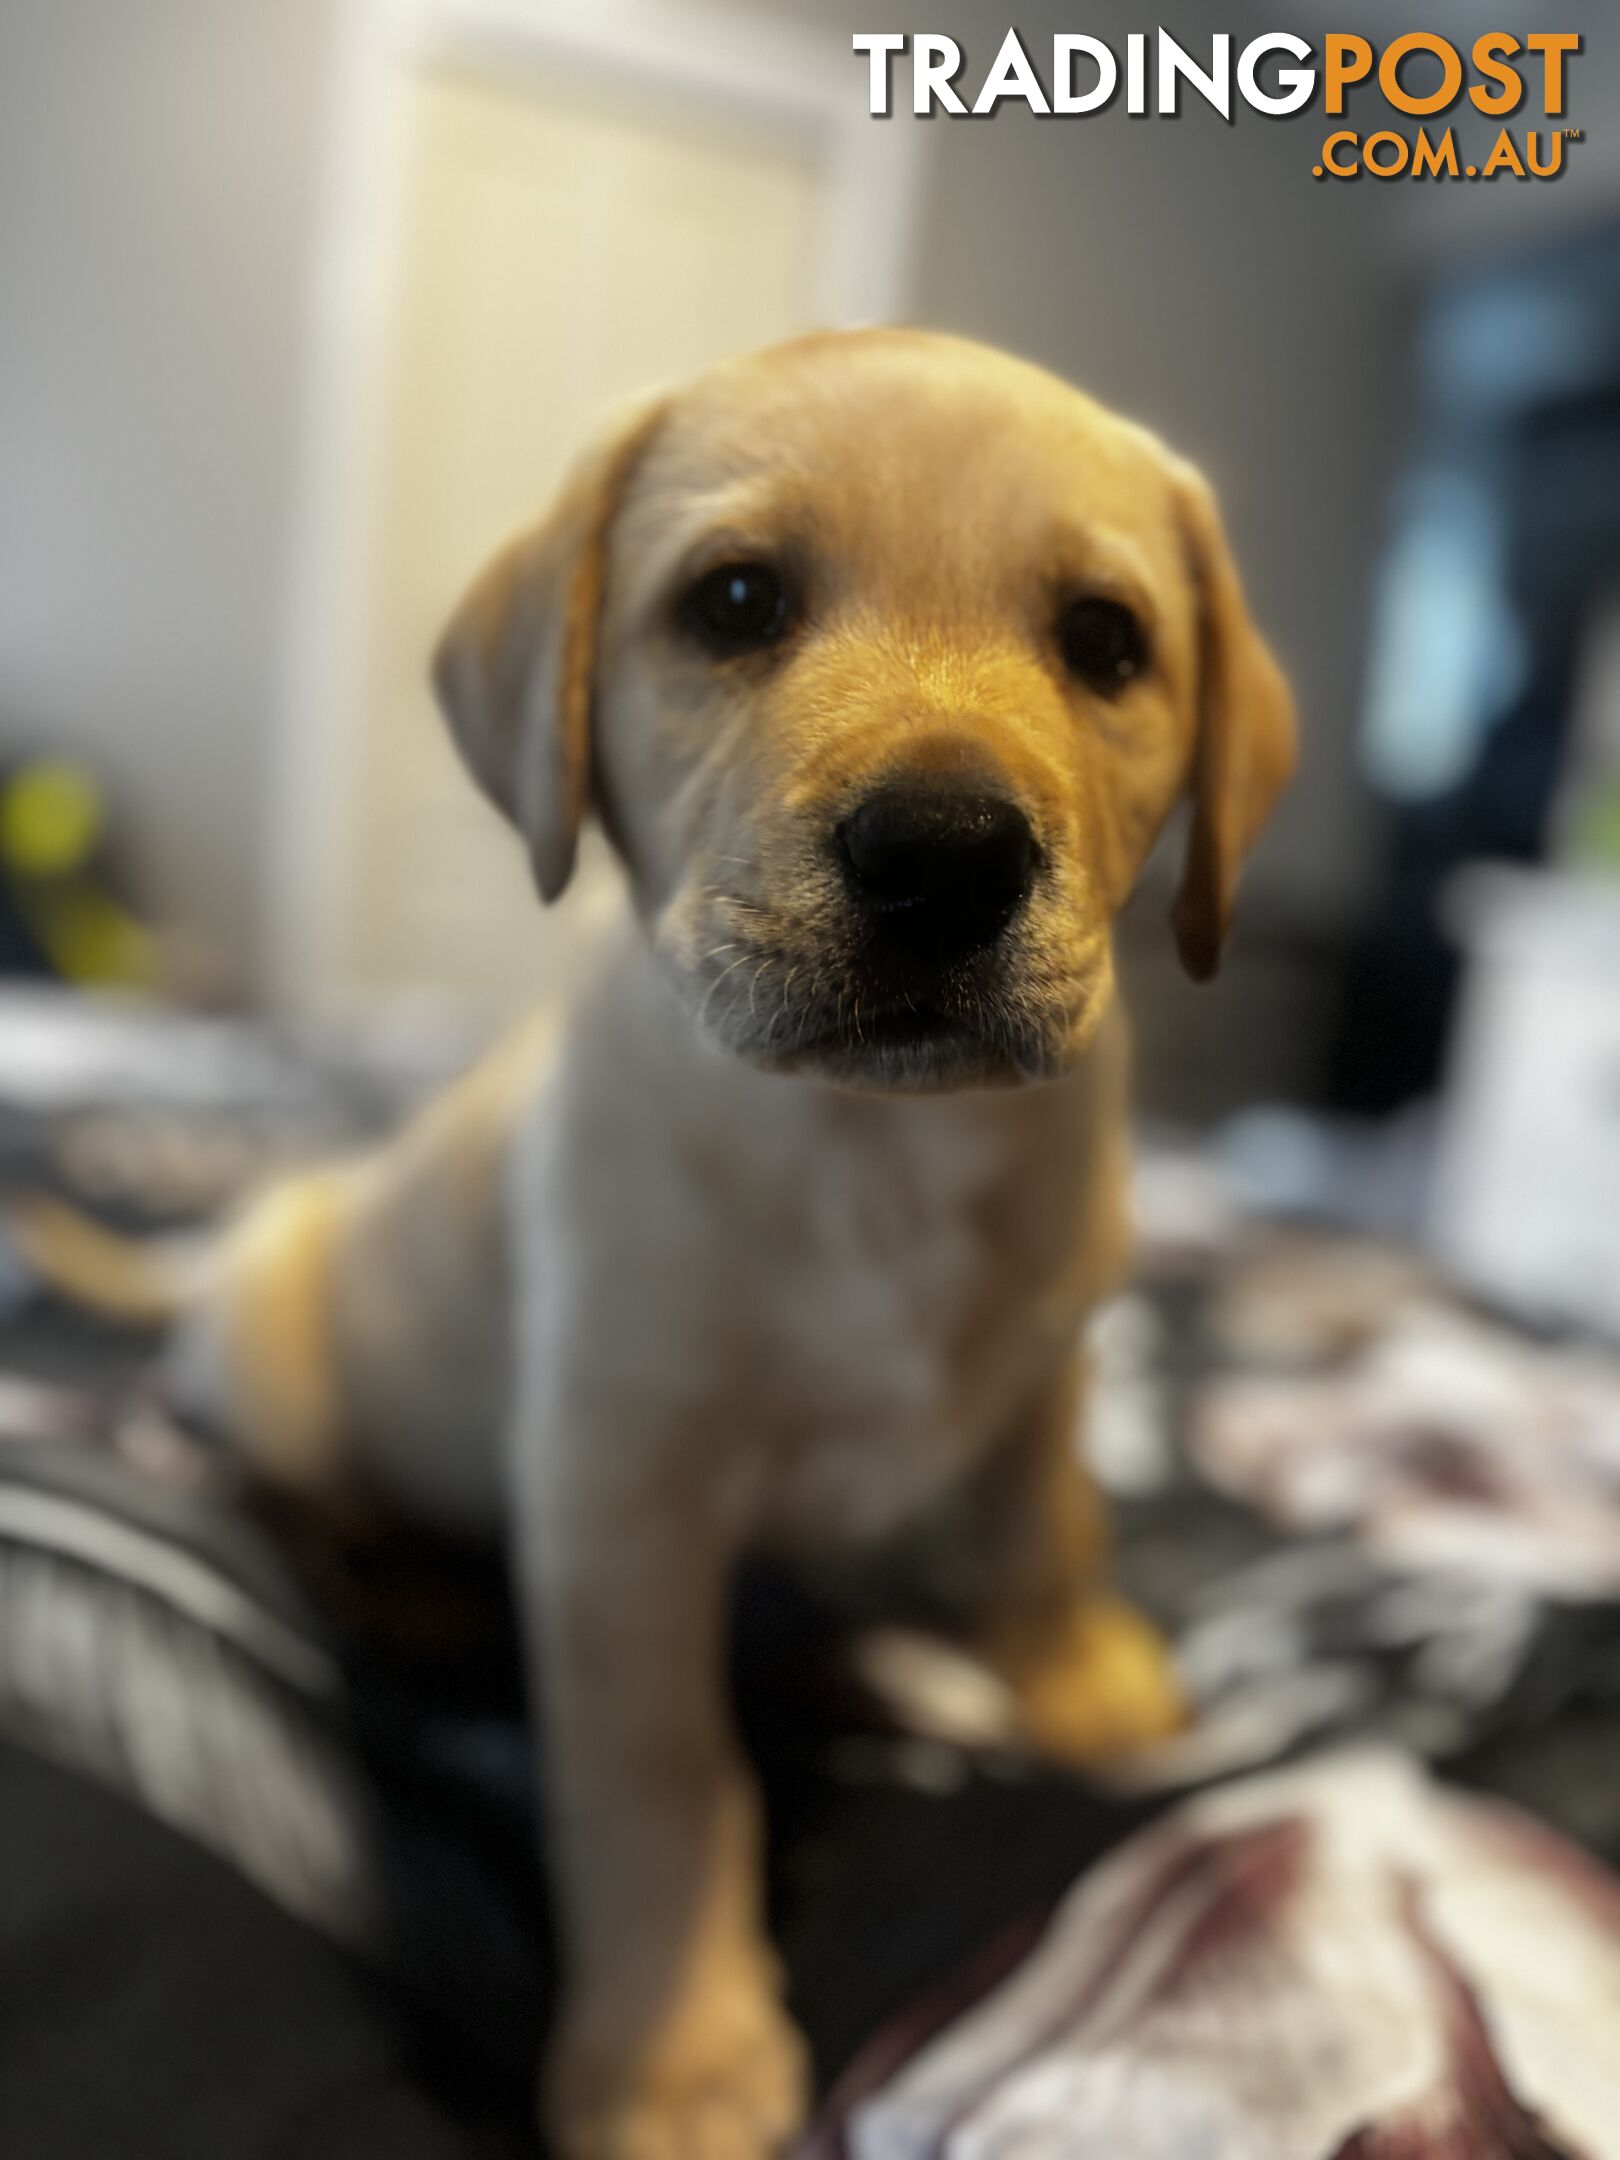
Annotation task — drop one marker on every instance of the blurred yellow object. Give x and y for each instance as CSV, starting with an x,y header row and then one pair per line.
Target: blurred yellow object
x,y
1595,828
52,817
90,939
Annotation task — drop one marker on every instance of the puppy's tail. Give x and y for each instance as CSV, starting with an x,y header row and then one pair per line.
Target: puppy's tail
x,y
141,1282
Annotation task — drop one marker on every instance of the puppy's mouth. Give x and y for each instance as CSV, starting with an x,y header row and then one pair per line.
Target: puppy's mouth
x,y
836,1017
935,942
913,1043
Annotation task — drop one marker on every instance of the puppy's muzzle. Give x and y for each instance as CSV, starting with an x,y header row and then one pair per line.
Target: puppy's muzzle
x,y
936,870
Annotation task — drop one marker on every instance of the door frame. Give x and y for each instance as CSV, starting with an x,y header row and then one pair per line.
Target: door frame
x,y
779,76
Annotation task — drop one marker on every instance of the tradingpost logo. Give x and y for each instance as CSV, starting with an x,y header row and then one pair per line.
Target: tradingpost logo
x,y
1375,92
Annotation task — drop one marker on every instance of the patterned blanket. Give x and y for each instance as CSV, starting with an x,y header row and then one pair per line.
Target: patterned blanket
x,y
1363,1911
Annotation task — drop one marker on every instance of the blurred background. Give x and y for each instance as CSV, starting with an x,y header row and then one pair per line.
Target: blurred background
x,y
305,305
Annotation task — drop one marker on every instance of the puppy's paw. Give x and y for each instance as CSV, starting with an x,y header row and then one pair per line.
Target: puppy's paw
x,y
1102,1687
728,2082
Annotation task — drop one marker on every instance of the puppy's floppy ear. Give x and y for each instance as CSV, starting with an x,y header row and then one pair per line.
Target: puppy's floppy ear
x,y
1245,746
515,668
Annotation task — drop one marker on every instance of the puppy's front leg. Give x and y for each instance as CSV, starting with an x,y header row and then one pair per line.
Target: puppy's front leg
x,y
1092,1677
671,2044
1015,1560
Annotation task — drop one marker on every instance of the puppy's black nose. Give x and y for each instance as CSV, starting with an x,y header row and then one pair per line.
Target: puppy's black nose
x,y
937,869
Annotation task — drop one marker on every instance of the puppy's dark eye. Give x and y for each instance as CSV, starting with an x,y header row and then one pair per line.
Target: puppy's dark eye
x,y
737,608
1103,643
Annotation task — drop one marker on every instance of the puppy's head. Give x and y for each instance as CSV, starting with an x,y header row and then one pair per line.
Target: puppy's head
x,y
883,658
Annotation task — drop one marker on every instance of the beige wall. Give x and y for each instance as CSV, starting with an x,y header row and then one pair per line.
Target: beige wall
x,y
1194,275
157,190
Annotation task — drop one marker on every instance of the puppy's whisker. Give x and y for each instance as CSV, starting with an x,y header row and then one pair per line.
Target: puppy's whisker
x,y
703,1011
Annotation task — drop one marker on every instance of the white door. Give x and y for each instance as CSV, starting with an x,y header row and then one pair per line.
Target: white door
x,y
553,240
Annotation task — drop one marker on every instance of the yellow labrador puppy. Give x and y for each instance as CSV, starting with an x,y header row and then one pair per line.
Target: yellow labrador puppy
x,y
882,659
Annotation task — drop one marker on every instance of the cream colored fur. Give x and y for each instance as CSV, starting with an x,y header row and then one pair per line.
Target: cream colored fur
x,y
731,1270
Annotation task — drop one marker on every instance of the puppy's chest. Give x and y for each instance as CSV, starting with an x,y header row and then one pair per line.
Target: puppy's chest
x,y
892,1325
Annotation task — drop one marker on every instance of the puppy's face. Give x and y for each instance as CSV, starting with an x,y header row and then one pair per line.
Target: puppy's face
x,y
884,658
